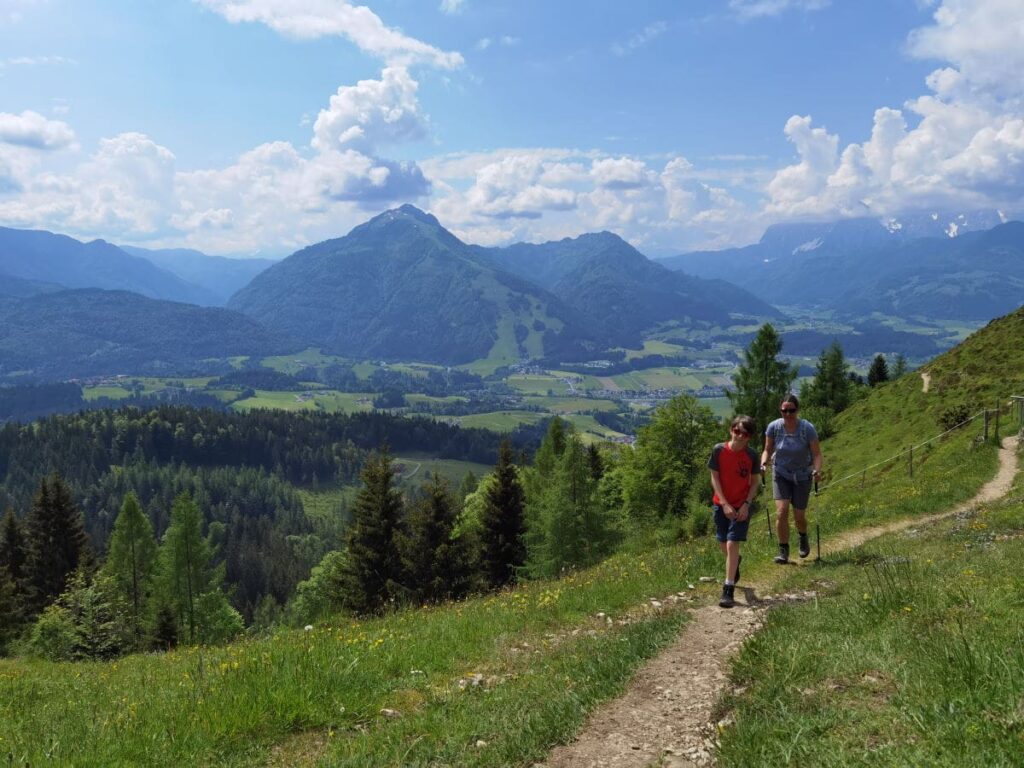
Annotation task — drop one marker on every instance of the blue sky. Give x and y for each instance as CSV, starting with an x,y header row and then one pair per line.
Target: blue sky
x,y
258,126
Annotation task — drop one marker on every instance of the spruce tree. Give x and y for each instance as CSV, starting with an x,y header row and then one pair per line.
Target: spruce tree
x,y
502,549
832,387
14,592
434,559
899,367
131,558
762,380
373,570
57,542
878,373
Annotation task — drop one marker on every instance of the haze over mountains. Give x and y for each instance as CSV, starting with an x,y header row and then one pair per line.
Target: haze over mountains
x,y
962,267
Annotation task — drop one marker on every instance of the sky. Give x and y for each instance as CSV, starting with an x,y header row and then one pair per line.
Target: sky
x,y
256,127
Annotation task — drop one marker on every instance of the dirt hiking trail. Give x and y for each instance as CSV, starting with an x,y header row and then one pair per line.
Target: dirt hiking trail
x,y
664,718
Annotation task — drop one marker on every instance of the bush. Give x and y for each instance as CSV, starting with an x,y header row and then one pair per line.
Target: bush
x,y
54,635
823,419
954,416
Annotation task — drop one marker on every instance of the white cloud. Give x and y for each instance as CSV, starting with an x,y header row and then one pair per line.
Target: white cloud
x,y
371,113
311,19
32,130
640,39
37,61
620,173
958,146
753,9
452,6
483,44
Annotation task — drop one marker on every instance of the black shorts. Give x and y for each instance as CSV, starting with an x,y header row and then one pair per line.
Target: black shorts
x,y
729,530
796,491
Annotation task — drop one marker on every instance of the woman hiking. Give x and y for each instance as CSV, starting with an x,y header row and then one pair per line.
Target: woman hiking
x,y
791,446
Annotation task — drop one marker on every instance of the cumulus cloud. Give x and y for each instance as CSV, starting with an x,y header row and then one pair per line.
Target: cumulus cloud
x,y
965,146
370,113
452,6
32,130
620,173
311,19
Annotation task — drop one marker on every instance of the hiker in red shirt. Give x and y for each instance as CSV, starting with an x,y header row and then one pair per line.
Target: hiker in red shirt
x,y
734,466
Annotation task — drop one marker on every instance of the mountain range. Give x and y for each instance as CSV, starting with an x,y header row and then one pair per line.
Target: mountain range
x,y
963,267
220,277
86,332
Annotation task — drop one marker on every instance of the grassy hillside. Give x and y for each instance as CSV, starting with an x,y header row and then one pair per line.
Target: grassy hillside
x,y
497,680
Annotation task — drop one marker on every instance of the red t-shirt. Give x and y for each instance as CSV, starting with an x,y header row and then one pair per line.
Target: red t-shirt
x,y
736,470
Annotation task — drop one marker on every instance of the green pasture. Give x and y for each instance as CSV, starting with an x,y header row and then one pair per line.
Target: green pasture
x,y
498,421
564,405
310,357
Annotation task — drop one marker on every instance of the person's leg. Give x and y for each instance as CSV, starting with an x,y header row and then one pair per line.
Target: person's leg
x,y
782,520
725,552
801,497
732,560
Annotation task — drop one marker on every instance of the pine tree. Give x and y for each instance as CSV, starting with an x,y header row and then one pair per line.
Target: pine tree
x,y
185,570
596,462
373,569
878,373
57,542
899,367
14,592
131,558
502,549
434,559
762,380
832,386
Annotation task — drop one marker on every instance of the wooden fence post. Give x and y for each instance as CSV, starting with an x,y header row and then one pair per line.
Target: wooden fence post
x,y
984,435
997,423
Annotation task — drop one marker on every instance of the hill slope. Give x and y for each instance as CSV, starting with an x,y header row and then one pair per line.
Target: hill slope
x,y
90,332
220,277
45,257
400,286
619,289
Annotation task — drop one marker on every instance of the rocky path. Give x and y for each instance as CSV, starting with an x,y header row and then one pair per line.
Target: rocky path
x,y
665,716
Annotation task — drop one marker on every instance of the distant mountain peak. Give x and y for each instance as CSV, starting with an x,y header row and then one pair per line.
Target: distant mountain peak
x,y
405,211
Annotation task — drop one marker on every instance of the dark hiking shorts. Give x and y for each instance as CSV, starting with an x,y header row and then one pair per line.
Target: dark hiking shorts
x,y
796,491
730,530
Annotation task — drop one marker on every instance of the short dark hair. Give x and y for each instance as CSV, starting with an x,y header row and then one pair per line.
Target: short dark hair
x,y
791,399
746,422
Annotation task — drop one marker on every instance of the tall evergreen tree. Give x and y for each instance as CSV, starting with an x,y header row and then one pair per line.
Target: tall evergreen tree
x,y
131,558
185,565
832,386
14,595
503,550
57,542
373,570
595,461
569,527
762,380
899,367
878,373
434,559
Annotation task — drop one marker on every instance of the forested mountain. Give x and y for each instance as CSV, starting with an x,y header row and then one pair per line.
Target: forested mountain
x,y
400,286
241,469
619,289
45,257
220,277
91,332
960,267
19,287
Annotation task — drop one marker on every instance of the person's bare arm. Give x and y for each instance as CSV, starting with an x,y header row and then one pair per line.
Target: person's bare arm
x,y
716,483
816,457
768,452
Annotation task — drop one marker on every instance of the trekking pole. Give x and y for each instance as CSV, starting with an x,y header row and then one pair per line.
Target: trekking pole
x,y
767,513
817,528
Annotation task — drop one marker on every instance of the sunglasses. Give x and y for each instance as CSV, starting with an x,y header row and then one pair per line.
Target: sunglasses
x,y
738,431
787,410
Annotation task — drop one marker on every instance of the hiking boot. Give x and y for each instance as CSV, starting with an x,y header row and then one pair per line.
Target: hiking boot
x,y
783,557
805,545
737,579
726,600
